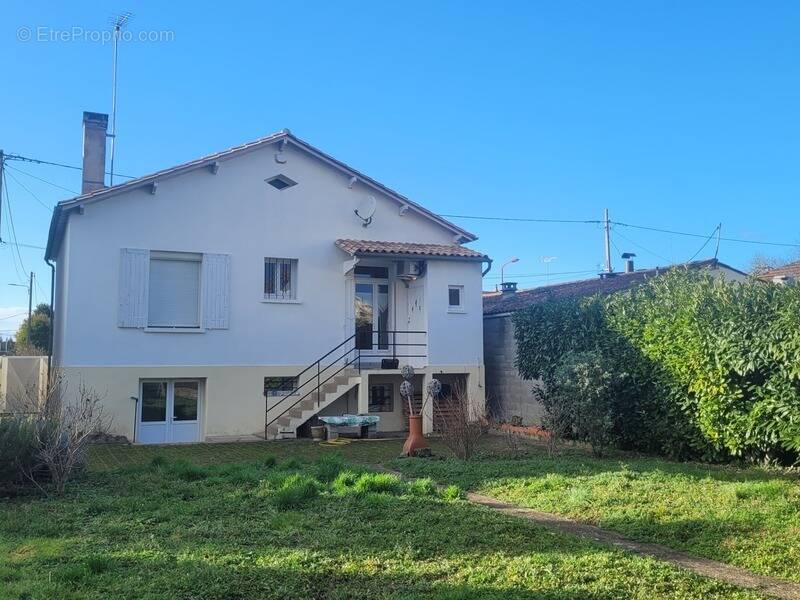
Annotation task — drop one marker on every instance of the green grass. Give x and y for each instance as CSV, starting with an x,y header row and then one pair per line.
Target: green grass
x,y
210,522
746,517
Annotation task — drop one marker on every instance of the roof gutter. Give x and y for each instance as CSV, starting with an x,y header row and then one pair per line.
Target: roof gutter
x,y
488,267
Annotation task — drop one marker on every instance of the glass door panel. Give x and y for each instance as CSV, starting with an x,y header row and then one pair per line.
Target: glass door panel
x,y
364,315
154,402
184,406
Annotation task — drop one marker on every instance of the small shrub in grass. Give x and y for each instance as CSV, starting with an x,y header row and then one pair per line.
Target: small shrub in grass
x,y
378,483
345,482
422,487
291,464
98,564
188,471
295,491
452,492
329,466
158,461
269,461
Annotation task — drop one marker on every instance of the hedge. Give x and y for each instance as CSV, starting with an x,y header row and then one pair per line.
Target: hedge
x,y
714,364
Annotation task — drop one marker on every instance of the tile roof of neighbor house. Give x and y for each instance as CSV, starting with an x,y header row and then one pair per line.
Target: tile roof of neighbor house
x,y
60,214
790,270
498,303
360,247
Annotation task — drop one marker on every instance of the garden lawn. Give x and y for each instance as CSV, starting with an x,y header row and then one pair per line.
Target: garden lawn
x,y
237,523
745,517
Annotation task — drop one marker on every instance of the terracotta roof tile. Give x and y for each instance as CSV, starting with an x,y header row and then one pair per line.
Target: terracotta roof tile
x,y
355,247
790,270
496,304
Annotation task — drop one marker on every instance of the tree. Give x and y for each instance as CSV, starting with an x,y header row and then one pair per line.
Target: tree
x,y
37,332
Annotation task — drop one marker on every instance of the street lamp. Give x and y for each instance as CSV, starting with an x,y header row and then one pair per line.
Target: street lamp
x,y
502,269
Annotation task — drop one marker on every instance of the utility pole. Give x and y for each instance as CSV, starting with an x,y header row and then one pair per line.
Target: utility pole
x,y
719,237
609,268
2,168
30,302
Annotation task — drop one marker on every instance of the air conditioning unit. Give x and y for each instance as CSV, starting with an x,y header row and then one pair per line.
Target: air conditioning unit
x,y
408,269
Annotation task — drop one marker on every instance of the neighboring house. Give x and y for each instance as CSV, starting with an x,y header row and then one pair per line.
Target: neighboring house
x,y
789,273
508,394
192,297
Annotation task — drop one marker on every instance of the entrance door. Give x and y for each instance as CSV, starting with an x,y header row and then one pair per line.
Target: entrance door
x,y
169,411
372,308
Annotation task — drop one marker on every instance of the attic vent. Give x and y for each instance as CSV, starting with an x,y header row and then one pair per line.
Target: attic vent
x,y
280,182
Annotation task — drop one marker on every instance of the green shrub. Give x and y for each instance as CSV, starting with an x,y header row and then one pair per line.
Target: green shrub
x,y
422,487
328,467
711,365
378,483
452,492
291,464
188,471
18,451
345,482
295,491
269,461
158,461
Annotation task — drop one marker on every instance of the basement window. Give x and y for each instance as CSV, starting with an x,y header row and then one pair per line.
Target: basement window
x,y
381,398
280,386
280,182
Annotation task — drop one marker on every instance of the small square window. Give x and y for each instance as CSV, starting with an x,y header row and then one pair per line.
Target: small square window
x,y
455,298
280,182
381,398
280,278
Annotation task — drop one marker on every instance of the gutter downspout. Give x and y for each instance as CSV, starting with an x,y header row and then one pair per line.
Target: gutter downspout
x,y
52,320
488,267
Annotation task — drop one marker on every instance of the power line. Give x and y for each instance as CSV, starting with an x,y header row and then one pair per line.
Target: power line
x,y
13,232
713,233
700,235
35,197
629,240
21,245
527,275
522,219
12,316
621,224
56,164
61,187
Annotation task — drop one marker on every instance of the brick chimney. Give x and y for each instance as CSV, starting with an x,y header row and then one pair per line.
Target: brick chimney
x,y
95,126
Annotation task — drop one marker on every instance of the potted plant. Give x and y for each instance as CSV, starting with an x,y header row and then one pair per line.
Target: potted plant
x,y
416,443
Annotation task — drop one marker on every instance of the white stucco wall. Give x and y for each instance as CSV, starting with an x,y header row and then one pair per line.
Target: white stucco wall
x,y
235,212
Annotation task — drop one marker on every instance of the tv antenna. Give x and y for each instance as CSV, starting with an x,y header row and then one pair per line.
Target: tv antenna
x,y
366,211
117,22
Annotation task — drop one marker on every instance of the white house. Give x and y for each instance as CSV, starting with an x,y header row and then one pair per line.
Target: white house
x,y
198,299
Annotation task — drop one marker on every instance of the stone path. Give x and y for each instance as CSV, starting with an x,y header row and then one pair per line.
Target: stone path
x,y
702,566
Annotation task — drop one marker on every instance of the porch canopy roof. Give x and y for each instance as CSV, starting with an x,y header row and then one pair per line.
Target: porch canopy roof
x,y
409,250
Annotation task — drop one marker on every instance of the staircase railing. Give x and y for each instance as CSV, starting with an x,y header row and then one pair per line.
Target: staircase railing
x,y
347,354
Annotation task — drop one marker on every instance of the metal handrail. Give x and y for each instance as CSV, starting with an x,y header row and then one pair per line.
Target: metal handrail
x,y
358,354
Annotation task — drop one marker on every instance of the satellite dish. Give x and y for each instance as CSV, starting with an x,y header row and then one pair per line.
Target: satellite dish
x,y
366,210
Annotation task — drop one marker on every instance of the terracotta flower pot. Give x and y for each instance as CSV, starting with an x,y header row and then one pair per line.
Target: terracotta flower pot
x,y
415,441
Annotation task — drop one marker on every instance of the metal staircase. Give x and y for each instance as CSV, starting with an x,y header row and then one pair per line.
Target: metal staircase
x,y
334,374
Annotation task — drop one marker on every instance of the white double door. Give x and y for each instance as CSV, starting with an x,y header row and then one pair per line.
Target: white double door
x,y
169,411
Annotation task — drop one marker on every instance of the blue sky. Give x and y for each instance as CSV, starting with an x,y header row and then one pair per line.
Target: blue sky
x,y
673,115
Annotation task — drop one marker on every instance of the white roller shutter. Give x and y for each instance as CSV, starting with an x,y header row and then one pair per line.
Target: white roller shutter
x,y
216,290
133,286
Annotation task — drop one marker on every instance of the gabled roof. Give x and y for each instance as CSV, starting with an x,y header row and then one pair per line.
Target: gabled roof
x,y
370,248
498,303
791,270
63,208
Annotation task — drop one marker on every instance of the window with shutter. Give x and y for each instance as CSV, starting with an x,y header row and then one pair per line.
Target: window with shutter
x,y
174,290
